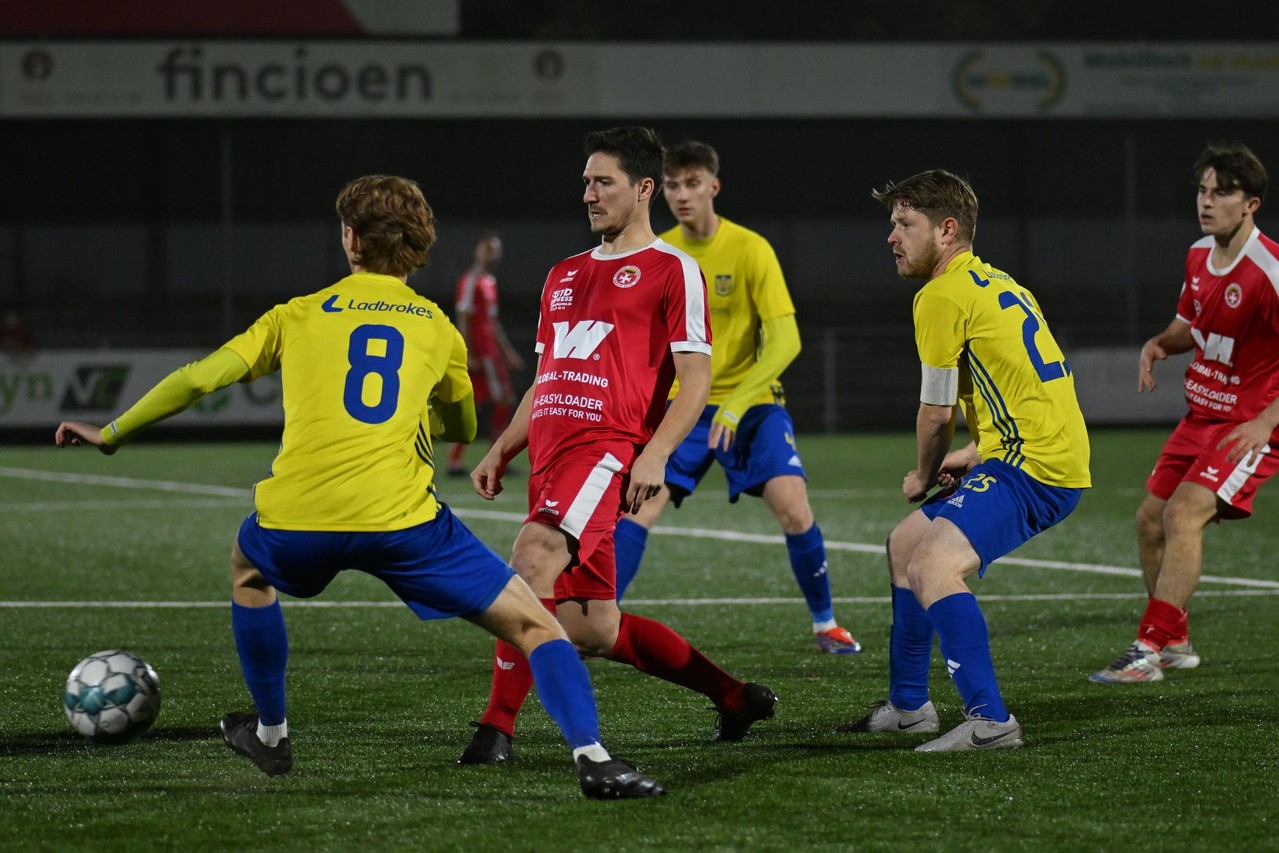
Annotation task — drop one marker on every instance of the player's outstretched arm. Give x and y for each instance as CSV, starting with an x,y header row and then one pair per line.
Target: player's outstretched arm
x,y
171,395
75,433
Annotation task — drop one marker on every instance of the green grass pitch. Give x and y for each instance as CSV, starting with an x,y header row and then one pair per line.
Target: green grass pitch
x,y
131,551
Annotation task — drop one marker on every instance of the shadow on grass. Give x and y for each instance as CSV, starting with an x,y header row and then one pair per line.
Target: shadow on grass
x,y
48,743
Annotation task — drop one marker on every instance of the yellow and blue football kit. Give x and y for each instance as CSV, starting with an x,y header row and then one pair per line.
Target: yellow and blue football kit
x,y
1016,388
755,339
983,342
365,363
370,371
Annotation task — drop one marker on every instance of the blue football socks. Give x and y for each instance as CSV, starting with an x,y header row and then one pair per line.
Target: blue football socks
x,y
629,541
910,649
808,562
263,645
564,687
965,644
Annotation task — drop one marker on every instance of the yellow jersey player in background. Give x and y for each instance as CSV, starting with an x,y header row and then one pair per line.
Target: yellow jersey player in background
x,y
367,366
982,343
745,426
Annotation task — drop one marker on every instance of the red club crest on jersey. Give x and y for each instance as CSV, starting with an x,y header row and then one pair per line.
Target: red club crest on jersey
x,y
627,276
1234,295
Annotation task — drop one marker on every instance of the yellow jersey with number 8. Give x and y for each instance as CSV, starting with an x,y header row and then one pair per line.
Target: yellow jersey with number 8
x,y
358,362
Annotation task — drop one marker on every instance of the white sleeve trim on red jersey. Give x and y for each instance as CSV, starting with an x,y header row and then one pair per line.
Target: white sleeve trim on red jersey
x,y
697,335
466,291
1265,261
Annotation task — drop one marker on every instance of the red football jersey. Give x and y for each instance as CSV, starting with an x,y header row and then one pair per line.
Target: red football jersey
x,y
1234,317
607,327
477,294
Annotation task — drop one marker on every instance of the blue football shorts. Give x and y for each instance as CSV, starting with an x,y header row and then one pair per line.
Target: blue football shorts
x,y
763,448
439,569
999,507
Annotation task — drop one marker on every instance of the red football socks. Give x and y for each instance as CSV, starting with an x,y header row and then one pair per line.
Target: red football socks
x,y
1161,623
655,649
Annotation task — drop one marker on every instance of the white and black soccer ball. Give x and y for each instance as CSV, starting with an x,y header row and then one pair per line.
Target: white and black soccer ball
x,y
112,697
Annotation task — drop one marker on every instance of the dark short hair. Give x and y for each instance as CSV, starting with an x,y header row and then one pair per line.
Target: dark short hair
x,y
395,225
937,194
692,155
1237,168
638,150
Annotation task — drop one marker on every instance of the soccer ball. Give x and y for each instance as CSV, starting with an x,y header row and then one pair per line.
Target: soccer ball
x,y
112,697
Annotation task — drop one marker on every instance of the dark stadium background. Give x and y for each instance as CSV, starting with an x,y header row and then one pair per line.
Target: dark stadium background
x,y
1092,215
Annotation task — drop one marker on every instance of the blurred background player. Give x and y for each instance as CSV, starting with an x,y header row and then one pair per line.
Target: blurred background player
x,y
1222,450
16,339
745,426
982,342
352,484
617,325
489,354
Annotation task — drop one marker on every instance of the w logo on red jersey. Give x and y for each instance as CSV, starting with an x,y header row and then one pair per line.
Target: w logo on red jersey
x,y
581,340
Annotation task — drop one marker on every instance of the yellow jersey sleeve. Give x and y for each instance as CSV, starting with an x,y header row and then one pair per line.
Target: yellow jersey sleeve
x,y
940,327
456,382
176,393
745,289
779,345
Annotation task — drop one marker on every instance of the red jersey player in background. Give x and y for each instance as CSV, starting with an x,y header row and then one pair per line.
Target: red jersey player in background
x,y
1221,452
617,325
489,353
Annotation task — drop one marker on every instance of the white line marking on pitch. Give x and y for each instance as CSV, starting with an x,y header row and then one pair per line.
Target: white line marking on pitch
x,y
124,482
682,602
694,532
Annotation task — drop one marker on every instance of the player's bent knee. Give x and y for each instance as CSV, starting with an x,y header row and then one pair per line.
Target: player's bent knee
x,y
517,617
539,555
795,520
248,587
592,647
1182,518
535,635
592,637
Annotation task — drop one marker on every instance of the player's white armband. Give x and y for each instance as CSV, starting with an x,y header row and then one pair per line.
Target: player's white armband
x,y
939,385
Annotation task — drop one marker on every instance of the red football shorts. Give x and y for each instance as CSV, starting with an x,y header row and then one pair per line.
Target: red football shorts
x,y
581,494
1191,456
